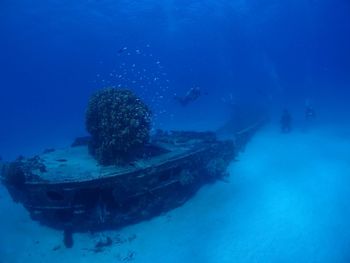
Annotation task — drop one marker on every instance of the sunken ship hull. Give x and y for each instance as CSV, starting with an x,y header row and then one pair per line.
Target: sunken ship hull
x,y
68,189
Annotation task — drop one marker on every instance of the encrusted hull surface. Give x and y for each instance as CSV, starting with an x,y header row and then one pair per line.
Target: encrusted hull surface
x,y
68,189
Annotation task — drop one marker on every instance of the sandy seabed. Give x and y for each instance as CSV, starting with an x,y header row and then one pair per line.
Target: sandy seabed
x,y
287,200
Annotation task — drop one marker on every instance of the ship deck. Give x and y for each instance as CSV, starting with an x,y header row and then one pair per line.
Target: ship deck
x,y
76,164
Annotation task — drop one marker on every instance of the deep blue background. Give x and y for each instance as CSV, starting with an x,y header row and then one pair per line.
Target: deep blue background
x,y
54,54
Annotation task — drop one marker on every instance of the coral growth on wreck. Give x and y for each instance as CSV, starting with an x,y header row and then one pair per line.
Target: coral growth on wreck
x,y
216,167
119,124
13,173
22,170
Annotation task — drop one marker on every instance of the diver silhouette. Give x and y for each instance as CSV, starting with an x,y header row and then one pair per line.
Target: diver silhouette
x,y
310,113
286,122
191,95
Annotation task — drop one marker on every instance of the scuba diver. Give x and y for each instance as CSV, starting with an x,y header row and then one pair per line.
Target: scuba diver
x,y
191,95
310,113
310,116
286,122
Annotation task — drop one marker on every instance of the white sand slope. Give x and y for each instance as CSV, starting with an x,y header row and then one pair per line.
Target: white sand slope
x,y
287,200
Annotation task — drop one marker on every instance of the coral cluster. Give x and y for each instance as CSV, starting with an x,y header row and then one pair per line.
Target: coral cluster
x,y
22,170
119,124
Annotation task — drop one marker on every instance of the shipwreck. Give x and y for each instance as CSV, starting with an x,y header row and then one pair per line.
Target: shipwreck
x,y
122,173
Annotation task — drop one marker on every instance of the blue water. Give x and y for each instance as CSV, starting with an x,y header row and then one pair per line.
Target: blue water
x,y
279,54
